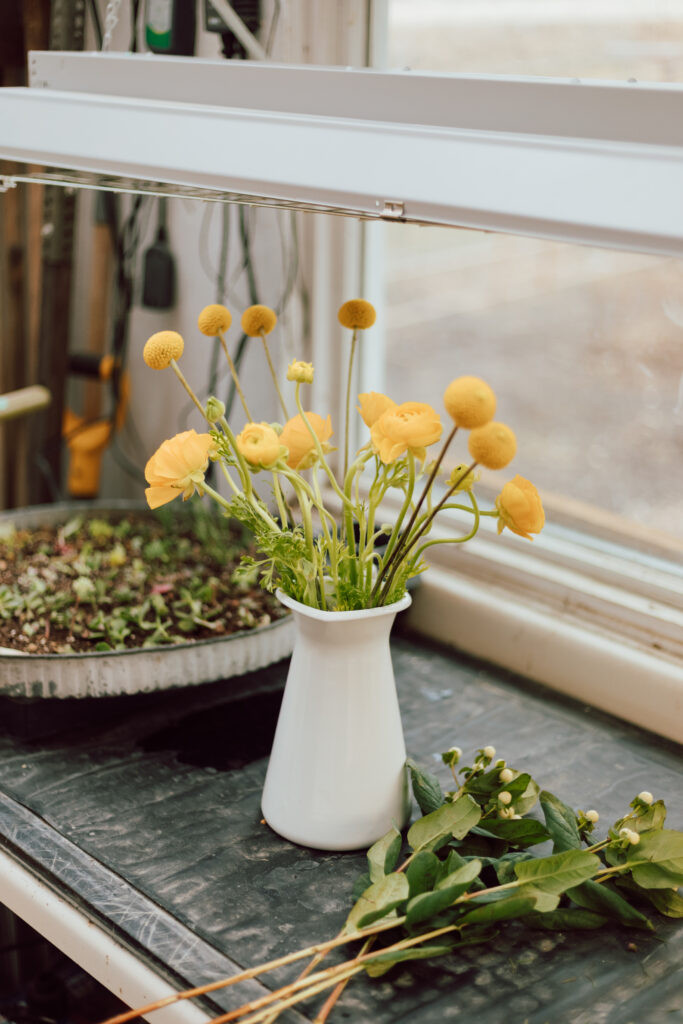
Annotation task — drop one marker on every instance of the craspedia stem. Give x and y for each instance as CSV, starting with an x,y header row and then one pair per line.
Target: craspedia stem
x,y
273,374
354,339
233,371
181,377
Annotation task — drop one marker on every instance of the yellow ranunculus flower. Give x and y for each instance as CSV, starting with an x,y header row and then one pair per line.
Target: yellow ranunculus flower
x,y
519,507
296,438
372,405
412,427
177,467
260,445
300,372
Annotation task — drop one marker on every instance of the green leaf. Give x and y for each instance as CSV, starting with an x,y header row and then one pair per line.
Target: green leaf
x,y
423,872
501,910
565,919
602,900
103,646
657,861
666,901
383,855
561,823
505,866
377,901
516,787
435,829
383,962
362,883
521,832
559,872
545,901
428,904
485,784
475,845
426,788
528,799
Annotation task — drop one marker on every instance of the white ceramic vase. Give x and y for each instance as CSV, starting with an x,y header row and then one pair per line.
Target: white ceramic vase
x,y
336,778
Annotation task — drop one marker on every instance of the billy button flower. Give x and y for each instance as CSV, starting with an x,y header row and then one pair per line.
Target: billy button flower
x,y
494,445
470,402
260,445
357,315
257,322
214,321
297,439
178,467
162,350
410,427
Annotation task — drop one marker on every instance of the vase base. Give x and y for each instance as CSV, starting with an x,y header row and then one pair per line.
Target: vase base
x,y
338,838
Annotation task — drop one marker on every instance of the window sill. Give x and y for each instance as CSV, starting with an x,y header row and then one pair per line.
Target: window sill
x,y
584,615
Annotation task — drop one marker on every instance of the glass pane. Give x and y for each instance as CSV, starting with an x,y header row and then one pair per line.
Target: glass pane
x,y
617,39
584,348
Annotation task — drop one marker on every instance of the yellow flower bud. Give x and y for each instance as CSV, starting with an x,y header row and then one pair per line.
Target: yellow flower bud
x,y
300,372
214,409
493,445
260,445
258,320
372,405
213,320
520,508
357,314
161,348
470,402
468,482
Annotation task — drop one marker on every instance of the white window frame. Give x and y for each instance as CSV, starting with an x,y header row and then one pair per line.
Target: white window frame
x,y
536,629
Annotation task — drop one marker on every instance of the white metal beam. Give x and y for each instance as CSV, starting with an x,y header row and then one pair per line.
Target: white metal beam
x,y
597,163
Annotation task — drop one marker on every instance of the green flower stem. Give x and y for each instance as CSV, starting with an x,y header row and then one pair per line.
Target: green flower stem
x,y
394,555
395,533
307,522
354,472
245,472
235,378
423,529
319,450
330,537
273,374
235,489
349,381
279,498
611,871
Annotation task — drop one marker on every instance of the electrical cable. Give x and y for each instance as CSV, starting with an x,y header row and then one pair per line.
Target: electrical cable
x,y
97,23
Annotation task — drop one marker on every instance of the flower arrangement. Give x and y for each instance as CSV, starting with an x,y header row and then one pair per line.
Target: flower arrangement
x,y
304,550
466,869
